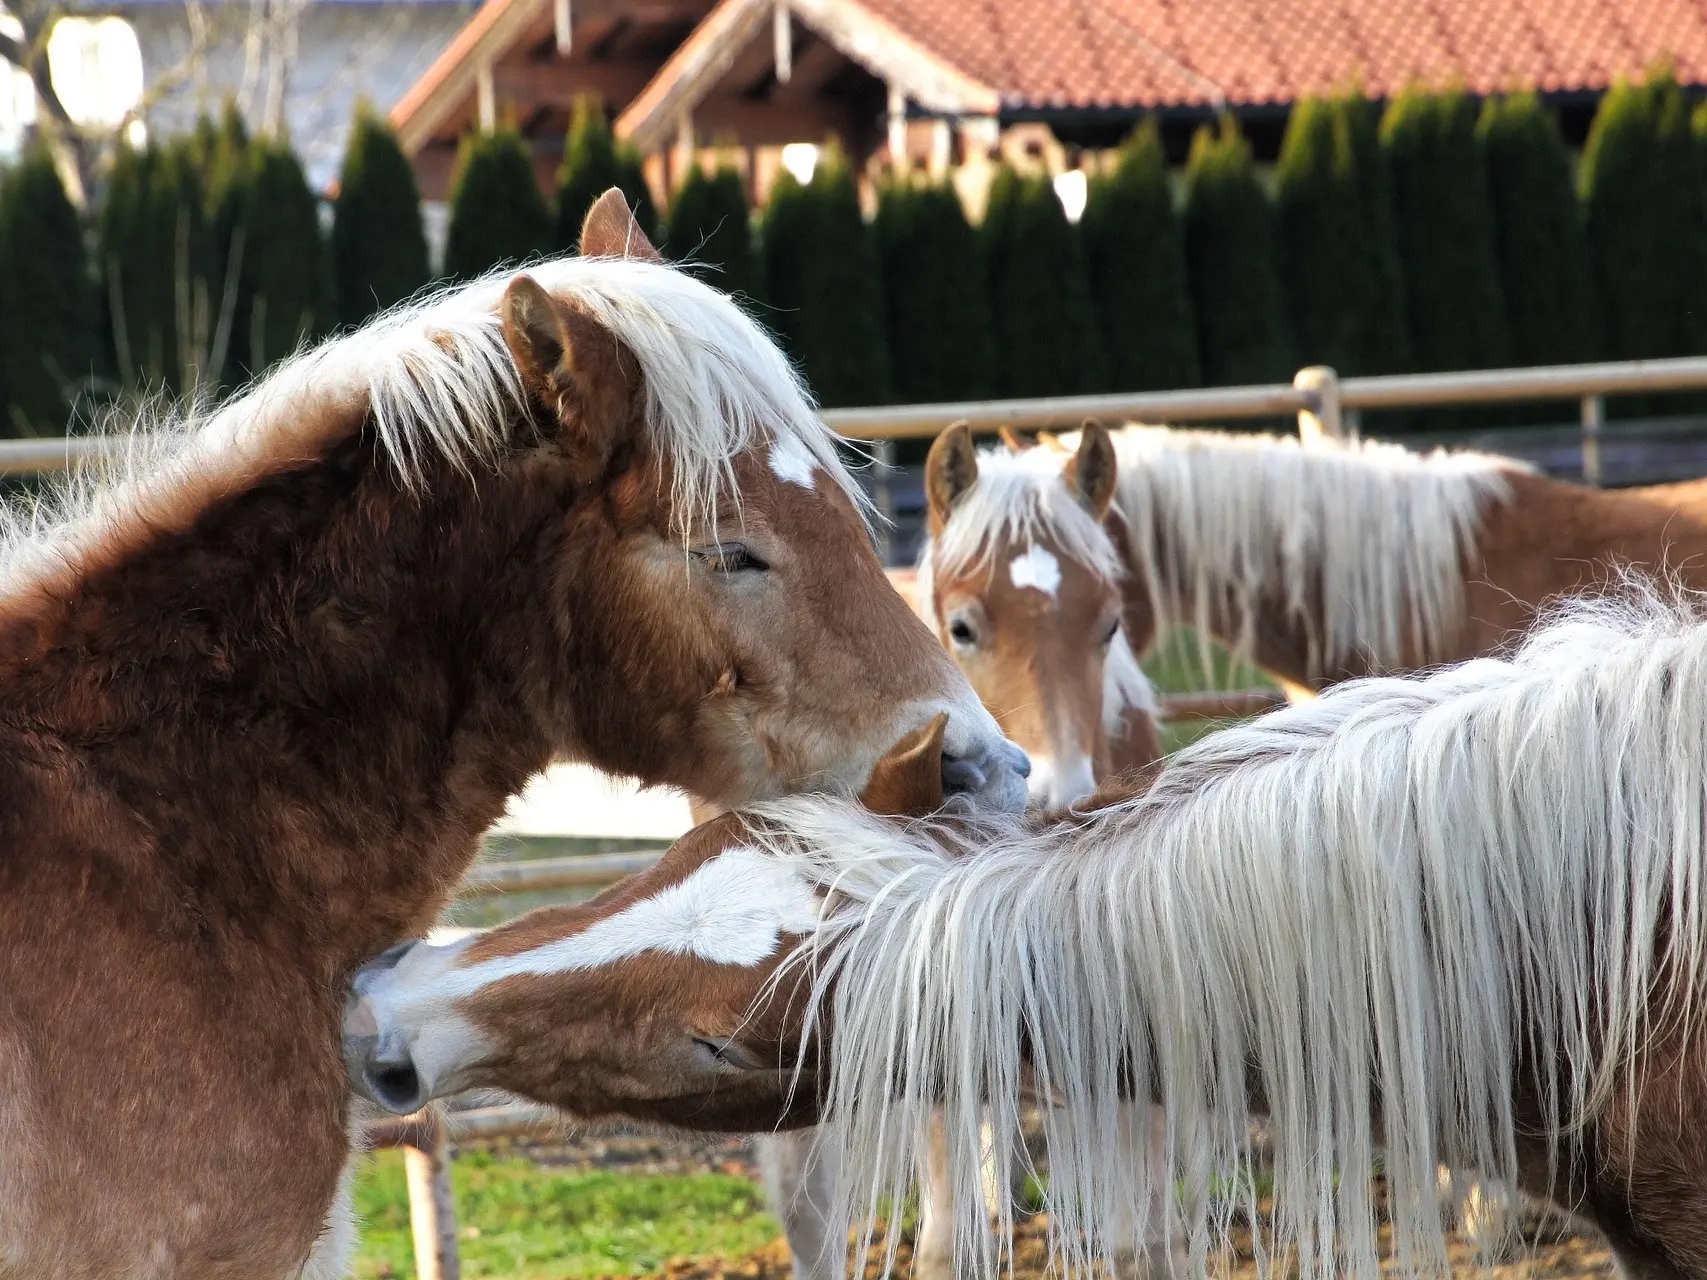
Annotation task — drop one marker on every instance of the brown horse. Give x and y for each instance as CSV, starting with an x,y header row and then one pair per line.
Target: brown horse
x,y
1457,917
263,692
1021,578
1322,561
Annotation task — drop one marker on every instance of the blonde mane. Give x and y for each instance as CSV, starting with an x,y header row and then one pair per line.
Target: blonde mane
x,y
436,380
1405,887
1367,537
1021,498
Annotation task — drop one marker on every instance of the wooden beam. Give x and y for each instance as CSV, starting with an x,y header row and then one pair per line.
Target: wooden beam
x,y
692,72
558,84
885,51
564,23
448,85
485,97
762,124
782,42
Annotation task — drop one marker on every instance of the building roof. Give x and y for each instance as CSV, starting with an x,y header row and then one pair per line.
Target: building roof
x,y
1063,54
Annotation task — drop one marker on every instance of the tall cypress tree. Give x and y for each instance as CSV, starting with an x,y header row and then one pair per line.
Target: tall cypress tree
x,y
1042,316
1230,254
593,163
938,315
135,286
1642,191
1446,232
47,352
177,198
1342,292
379,248
710,225
823,283
282,303
1543,250
1137,270
497,214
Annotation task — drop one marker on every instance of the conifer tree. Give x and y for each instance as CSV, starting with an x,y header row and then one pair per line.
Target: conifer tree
x,y
710,225
379,248
1647,229
47,325
497,214
135,288
1343,298
1230,257
593,163
1136,261
1046,341
933,282
1543,250
281,298
824,286
1446,232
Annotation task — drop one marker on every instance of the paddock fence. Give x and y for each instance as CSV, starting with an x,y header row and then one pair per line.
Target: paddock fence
x,y
1322,404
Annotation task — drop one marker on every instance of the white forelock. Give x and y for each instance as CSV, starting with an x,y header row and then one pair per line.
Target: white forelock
x,y
439,381
1392,891
1368,537
1019,499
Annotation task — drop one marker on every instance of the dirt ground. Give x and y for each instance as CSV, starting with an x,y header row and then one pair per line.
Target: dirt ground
x,y
1550,1246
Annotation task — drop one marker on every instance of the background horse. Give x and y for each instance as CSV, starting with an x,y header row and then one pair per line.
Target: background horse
x,y
263,692
1325,560
1459,917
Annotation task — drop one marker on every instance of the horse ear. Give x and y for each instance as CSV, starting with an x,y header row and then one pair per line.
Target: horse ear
x,y
950,470
610,231
1092,470
570,366
1011,440
907,782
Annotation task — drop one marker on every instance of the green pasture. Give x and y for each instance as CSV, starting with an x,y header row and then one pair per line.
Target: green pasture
x,y
522,1222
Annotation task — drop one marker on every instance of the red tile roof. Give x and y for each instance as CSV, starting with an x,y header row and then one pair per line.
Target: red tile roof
x,y
1159,53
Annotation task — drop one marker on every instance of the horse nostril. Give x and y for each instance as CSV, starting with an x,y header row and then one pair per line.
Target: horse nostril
x,y
396,1086
1020,761
961,776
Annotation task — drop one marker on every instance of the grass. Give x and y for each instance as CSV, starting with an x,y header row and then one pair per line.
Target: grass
x,y
526,1223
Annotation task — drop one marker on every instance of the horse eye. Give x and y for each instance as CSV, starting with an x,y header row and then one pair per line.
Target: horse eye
x,y
731,557
960,631
1109,633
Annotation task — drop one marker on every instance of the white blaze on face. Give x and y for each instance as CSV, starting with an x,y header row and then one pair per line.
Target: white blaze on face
x,y
791,462
734,909
1038,569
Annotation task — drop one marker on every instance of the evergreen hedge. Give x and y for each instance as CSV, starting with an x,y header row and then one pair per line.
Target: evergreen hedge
x,y
47,352
933,282
1046,339
823,284
282,296
1340,260
1540,242
1446,232
1647,228
711,225
497,214
1230,254
157,267
1137,270
593,163
379,247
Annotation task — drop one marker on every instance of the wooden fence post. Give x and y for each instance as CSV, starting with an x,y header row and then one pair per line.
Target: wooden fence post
x,y
1323,418
432,1209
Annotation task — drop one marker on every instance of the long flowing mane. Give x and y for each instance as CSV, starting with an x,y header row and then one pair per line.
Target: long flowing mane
x,y
1369,537
1400,891
434,379
1023,497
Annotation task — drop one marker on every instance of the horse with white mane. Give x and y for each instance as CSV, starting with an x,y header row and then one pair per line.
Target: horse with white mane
x,y
1458,917
1325,560
264,690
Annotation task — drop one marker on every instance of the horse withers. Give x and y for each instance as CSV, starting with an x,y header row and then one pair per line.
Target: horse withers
x,y
262,691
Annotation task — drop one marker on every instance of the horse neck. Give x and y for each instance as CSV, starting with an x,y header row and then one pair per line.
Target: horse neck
x,y
301,690
1308,573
